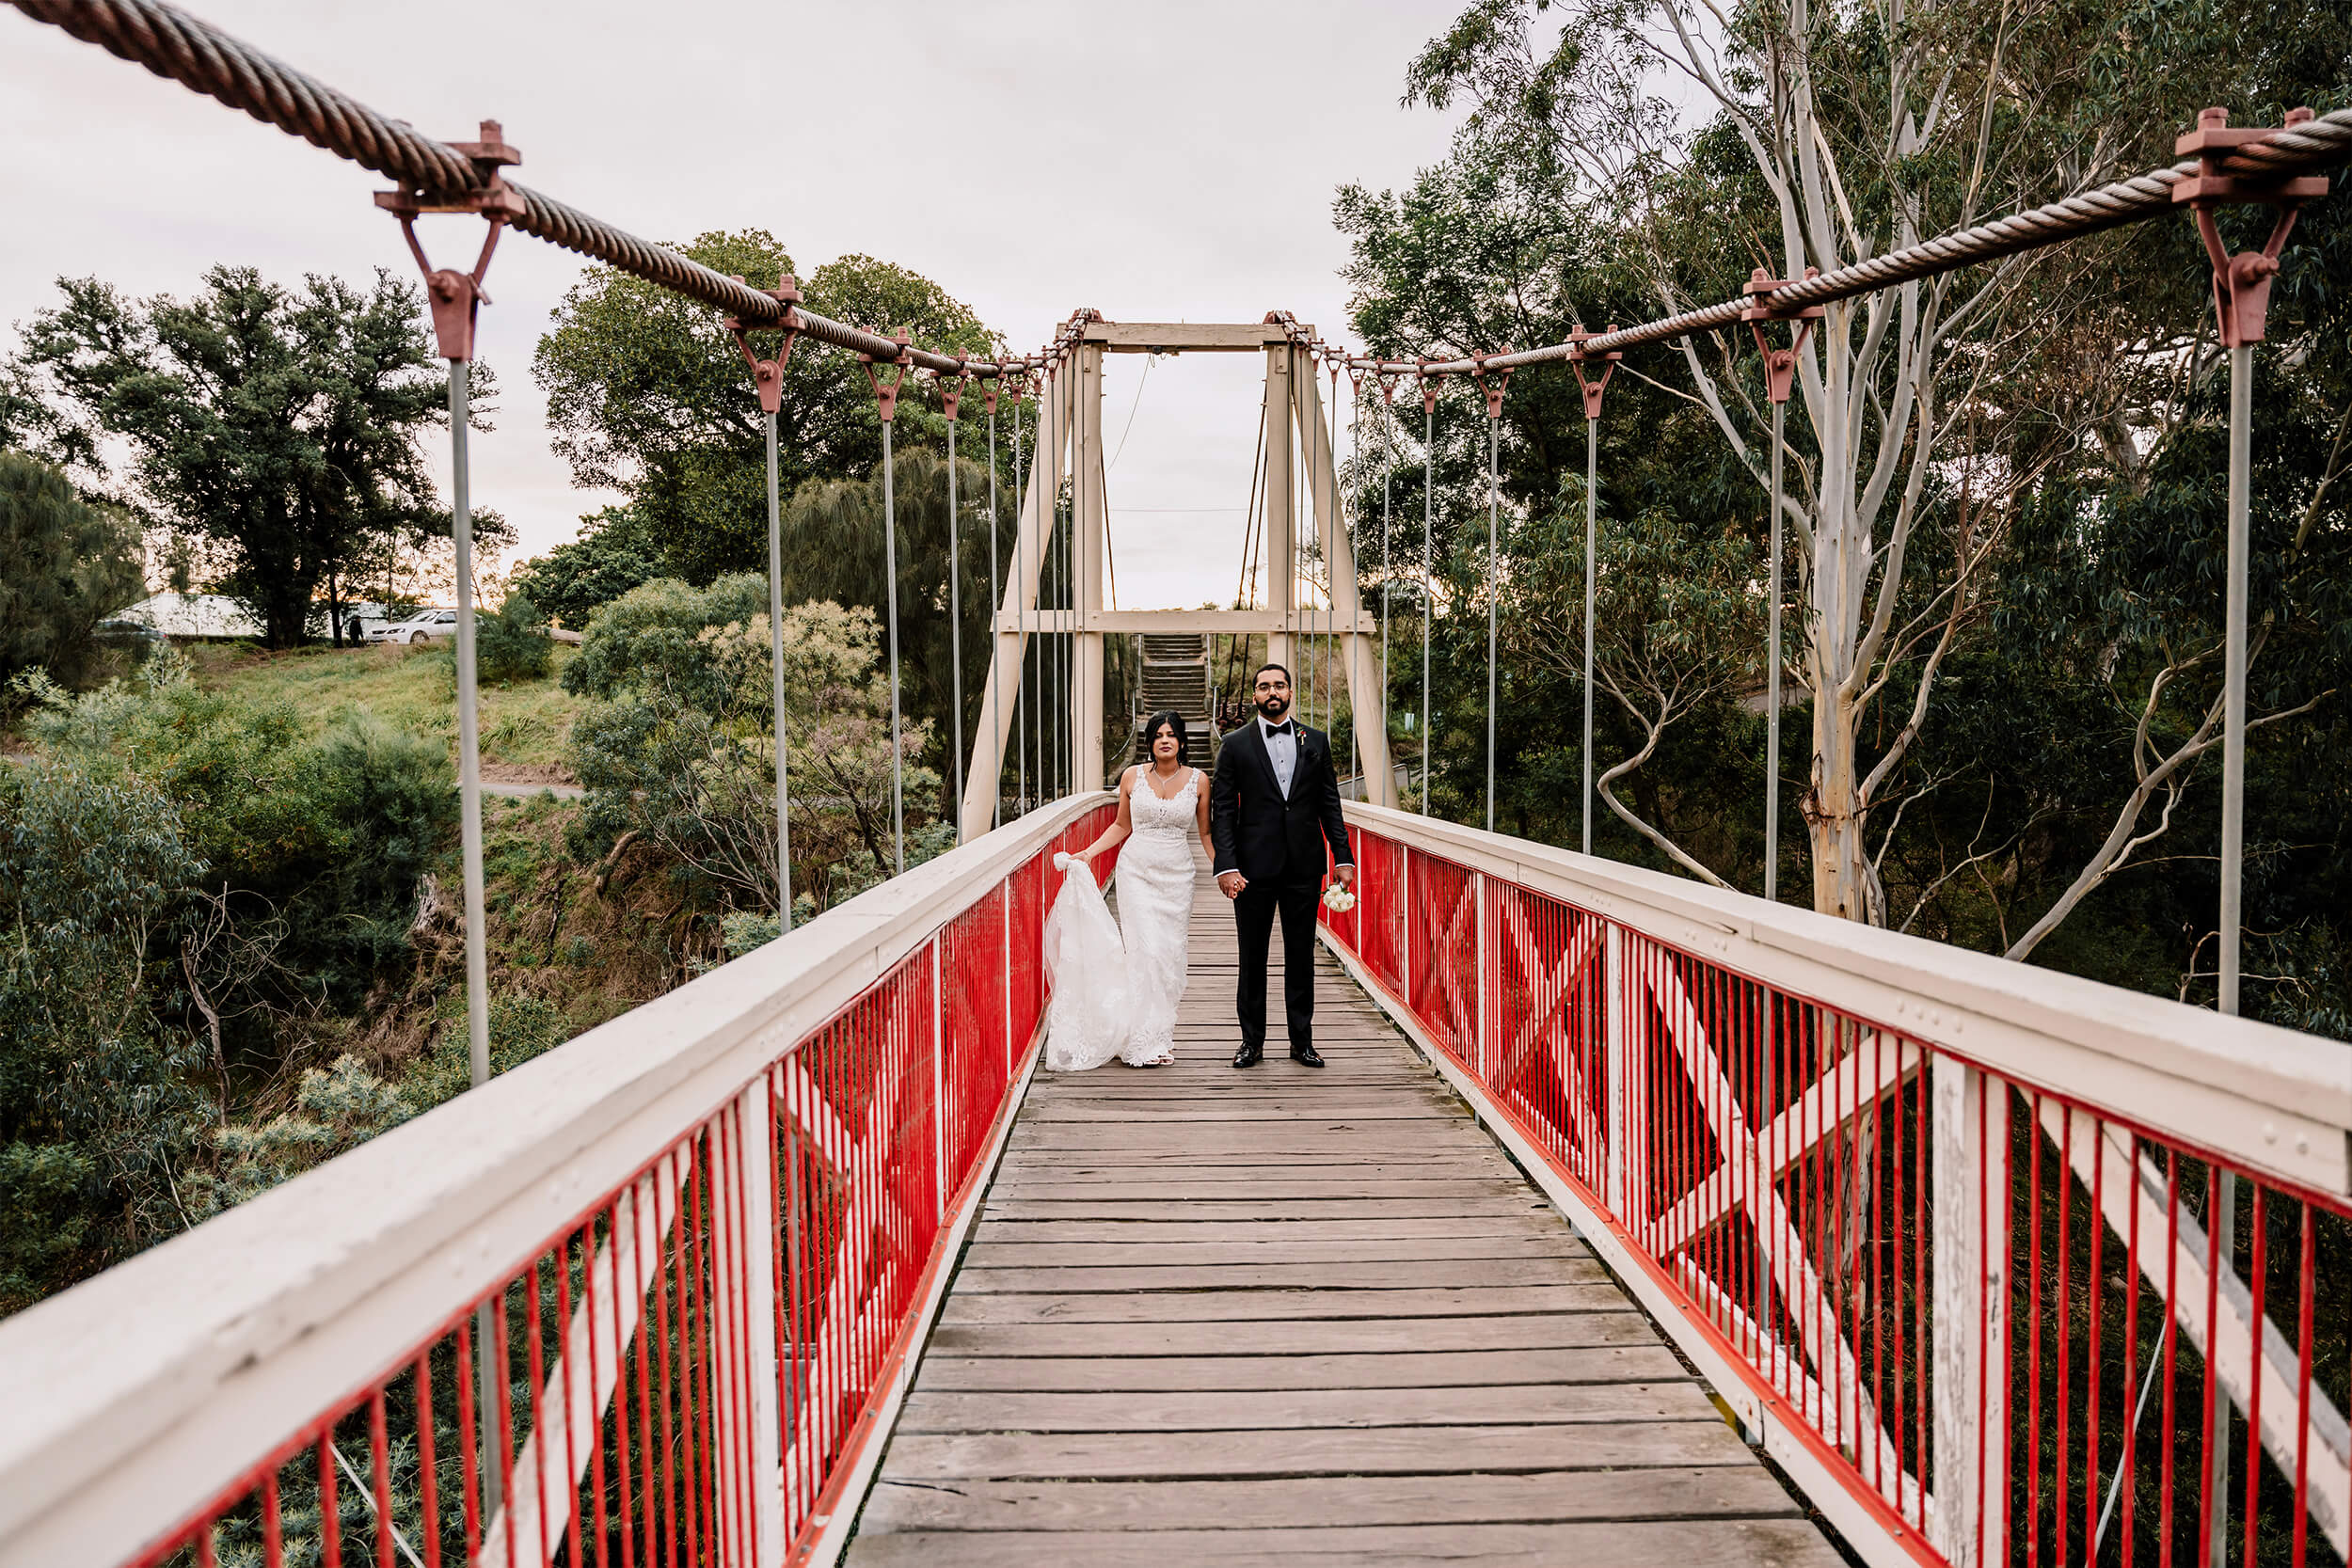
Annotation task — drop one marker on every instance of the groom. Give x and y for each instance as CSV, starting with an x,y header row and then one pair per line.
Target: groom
x,y
1274,805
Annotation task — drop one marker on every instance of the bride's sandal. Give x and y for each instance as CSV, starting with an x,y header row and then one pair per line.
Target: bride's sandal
x,y
1166,1058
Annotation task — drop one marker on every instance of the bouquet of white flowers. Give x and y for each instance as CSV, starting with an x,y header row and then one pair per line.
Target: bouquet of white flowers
x,y
1338,899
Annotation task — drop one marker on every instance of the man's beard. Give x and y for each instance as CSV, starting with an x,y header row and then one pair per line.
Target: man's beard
x,y
1274,708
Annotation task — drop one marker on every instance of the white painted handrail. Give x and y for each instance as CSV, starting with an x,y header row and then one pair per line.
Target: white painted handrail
x,y
2270,1099
135,1398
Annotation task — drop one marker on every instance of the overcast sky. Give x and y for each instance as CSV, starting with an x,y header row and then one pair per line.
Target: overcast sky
x,y
1159,162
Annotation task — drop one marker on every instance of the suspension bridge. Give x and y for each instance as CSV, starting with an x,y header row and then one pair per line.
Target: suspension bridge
x,y
1636,1221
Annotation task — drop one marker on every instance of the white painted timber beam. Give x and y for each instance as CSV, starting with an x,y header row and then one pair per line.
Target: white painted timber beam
x,y
1184,337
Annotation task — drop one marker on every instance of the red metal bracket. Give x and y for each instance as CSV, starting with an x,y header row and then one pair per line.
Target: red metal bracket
x,y
951,392
1502,379
2241,283
1578,357
1428,384
888,396
456,297
768,374
1385,379
1780,364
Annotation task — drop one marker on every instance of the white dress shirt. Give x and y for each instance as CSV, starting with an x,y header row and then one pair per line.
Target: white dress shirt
x,y
1282,748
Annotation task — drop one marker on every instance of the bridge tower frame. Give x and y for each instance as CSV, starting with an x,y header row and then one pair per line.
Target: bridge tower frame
x,y
1070,448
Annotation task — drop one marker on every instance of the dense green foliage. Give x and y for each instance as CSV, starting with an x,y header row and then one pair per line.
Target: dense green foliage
x,y
2043,711
648,393
274,432
679,750
613,553
64,566
511,642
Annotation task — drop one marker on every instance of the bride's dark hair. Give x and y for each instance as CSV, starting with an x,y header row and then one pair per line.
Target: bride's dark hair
x,y
1170,719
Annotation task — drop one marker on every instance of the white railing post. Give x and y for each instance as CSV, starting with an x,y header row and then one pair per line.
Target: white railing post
x,y
1613,984
1970,1246
744,1355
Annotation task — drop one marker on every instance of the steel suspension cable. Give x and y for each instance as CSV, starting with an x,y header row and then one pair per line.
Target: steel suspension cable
x,y
995,601
890,573
775,676
1023,706
955,621
1494,588
1428,579
1592,556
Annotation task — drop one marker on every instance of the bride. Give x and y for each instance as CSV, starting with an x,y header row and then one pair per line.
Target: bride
x,y
1114,991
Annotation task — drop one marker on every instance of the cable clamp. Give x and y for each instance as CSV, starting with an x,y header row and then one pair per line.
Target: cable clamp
x,y
951,392
456,297
1427,380
2241,283
1579,356
888,395
768,374
1780,364
1502,379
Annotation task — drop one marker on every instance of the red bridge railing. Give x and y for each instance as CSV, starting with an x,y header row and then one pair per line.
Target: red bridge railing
x,y
2001,1265
650,1299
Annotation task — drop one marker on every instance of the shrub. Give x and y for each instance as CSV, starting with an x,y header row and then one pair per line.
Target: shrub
x,y
511,644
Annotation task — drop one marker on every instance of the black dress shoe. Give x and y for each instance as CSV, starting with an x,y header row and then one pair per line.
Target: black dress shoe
x,y
1249,1055
1305,1055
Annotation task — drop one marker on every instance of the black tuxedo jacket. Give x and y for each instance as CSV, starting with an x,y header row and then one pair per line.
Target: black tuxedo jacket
x,y
1260,833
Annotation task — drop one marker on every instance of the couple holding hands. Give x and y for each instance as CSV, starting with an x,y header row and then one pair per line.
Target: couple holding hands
x,y
1266,824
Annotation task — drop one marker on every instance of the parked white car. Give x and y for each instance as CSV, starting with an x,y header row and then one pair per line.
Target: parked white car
x,y
425,626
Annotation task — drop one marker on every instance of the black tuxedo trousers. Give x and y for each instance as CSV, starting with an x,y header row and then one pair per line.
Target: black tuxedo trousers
x,y
1277,841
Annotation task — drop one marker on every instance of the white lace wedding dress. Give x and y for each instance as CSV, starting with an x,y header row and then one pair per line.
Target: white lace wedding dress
x,y
1115,990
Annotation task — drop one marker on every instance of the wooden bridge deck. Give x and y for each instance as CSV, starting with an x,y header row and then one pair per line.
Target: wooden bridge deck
x,y
1276,1315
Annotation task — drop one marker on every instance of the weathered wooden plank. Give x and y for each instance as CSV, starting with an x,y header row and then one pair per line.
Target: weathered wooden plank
x,y
1551,1497
1010,1189
1047,1203
1195,1254
1228,1306
1675,1544
1325,1337
1267,1409
946,1374
1234,1165
1274,1224
1349,1107
1280,1276
1312,1452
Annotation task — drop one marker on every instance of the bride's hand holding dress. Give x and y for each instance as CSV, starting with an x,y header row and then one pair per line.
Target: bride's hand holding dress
x,y
1086,1025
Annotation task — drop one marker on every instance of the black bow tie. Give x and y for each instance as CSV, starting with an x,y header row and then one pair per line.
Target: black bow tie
x,y
1282,728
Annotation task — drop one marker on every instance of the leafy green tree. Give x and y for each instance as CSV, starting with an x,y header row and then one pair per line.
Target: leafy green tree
x,y
278,428
647,393
96,1109
614,552
680,751
64,565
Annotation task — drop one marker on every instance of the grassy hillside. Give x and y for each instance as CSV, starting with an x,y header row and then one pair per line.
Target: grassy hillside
x,y
524,725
